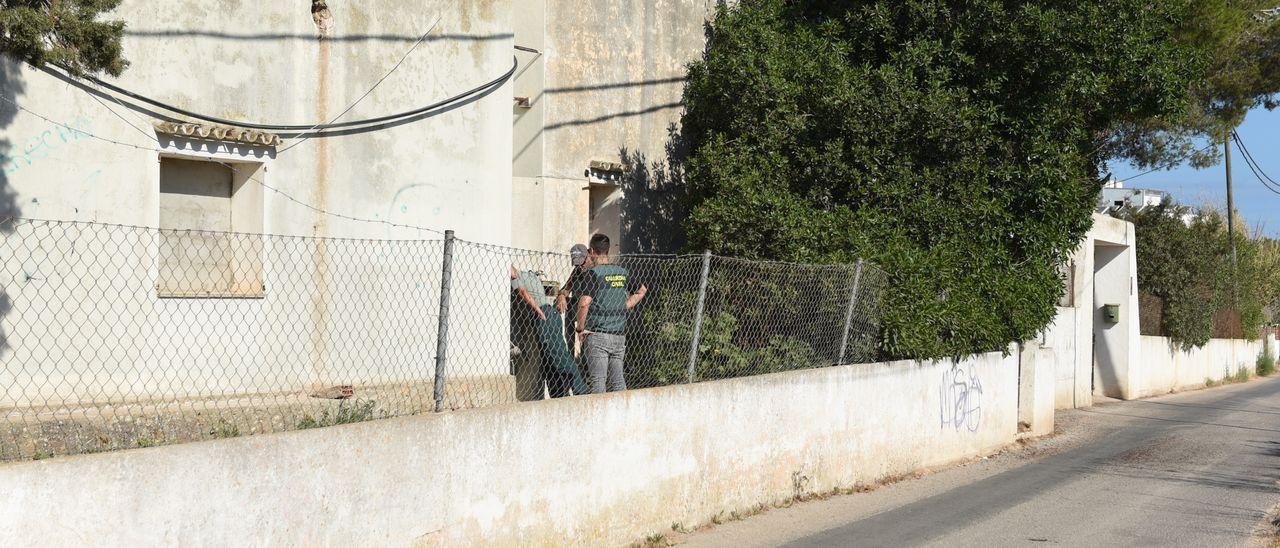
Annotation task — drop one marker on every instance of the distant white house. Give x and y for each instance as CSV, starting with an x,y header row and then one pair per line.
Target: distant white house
x,y
1115,196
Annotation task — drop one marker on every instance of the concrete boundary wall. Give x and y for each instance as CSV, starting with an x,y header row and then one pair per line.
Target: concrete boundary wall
x,y
1165,367
597,470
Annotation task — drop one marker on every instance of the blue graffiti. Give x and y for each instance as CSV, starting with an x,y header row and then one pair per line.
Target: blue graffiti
x,y
45,143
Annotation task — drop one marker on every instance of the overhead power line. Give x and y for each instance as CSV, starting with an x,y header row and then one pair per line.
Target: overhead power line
x,y
1166,166
1266,180
1256,167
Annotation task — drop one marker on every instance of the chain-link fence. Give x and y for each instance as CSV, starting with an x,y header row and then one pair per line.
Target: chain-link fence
x,y
115,336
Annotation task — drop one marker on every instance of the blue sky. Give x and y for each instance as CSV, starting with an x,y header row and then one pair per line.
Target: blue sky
x,y
1261,133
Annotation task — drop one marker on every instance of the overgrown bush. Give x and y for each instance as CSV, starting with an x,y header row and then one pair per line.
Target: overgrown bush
x,y
922,136
1242,375
1269,271
757,319
1184,264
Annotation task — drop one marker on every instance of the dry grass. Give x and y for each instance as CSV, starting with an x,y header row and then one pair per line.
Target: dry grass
x,y
678,530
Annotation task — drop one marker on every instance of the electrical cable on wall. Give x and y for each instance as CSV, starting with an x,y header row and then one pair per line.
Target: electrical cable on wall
x,y
309,132
225,164
515,63
302,138
259,182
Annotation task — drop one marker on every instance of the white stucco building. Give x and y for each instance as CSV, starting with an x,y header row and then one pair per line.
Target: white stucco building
x,y
593,80
564,134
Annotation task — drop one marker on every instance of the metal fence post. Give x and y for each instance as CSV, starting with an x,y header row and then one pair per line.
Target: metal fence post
x,y
442,331
697,317
848,314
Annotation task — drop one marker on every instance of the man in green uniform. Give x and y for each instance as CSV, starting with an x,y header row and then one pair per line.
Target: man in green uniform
x,y
608,295
550,360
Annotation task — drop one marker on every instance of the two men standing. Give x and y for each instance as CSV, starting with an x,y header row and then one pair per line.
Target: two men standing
x,y
594,304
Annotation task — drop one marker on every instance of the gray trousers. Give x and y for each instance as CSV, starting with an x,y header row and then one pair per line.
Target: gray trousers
x,y
604,353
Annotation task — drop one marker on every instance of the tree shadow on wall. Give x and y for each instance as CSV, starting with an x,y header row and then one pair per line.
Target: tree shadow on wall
x,y
653,198
10,86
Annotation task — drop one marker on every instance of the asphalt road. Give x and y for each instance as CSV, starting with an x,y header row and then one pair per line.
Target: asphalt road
x,y
1191,469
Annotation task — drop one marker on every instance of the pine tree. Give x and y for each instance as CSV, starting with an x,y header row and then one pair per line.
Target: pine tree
x,y
66,33
1238,42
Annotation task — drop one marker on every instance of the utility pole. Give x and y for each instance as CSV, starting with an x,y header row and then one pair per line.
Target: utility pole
x,y
1231,216
1231,204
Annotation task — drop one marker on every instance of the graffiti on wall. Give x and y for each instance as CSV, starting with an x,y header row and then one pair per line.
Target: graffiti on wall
x,y
42,145
960,399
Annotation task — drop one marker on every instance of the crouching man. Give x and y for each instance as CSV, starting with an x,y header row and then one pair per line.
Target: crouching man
x,y
554,365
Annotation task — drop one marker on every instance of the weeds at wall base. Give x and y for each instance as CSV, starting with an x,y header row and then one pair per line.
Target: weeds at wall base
x,y
357,411
664,539
90,430
656,540
1267,532
1242,375
225,430
1266,364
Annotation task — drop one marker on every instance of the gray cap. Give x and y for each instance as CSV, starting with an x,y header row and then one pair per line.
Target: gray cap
x,y
578,254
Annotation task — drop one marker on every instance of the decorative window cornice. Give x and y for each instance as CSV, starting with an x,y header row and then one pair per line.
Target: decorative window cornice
x,y
612,167
218,133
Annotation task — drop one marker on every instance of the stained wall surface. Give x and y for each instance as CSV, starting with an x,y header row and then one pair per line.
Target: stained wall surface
x,y
604,469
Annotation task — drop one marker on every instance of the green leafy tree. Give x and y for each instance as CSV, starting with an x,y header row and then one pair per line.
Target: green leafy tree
x,y
954,143
63,32
1239,43
1177,263
1184,261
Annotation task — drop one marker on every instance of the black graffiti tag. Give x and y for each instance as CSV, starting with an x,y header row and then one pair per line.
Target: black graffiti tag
x,y
960,399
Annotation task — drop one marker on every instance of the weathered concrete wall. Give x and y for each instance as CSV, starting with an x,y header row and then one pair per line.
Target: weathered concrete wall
x,y
266,63
82,311
612,75
1089,355
1116,349
1036,385
1069,340
615,75
1063,343
1165,367
595,470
